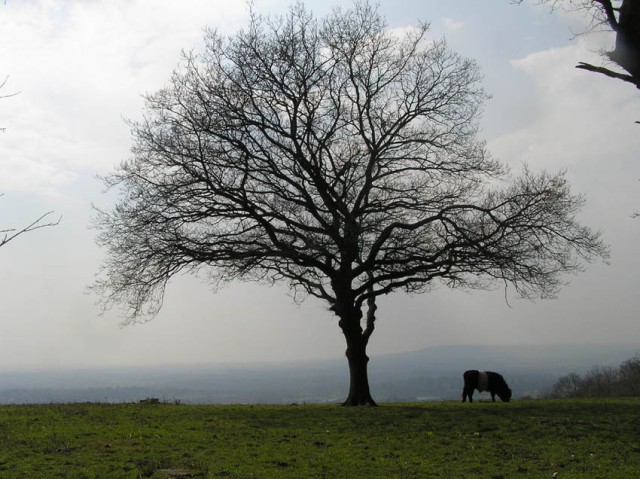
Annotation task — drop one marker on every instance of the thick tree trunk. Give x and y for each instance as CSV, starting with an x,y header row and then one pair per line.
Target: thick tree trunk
x,y
356,337
357,340
359,392
627,51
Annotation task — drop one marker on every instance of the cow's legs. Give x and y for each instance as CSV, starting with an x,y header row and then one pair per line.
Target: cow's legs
x,y
493,397
467,393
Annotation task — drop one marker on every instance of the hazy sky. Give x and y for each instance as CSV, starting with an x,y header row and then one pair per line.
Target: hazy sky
x,y
80,67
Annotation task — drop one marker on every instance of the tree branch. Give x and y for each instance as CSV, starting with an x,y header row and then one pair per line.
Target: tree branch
x,y
610,13
11,234
609,73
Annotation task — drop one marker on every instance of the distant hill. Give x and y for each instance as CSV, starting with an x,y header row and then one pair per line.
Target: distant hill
x,y
433,373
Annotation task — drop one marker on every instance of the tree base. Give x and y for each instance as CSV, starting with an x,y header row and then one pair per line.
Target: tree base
x,y
371,403
351,402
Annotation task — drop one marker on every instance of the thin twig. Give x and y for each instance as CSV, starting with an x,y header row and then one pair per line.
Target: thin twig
x,y
37,224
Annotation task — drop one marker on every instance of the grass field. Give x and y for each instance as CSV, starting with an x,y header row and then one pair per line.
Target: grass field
x,y
536,439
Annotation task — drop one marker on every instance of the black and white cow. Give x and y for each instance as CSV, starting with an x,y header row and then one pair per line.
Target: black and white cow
x,y
485,381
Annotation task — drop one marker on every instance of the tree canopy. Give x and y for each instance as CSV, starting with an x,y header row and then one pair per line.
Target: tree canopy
x,y
336,156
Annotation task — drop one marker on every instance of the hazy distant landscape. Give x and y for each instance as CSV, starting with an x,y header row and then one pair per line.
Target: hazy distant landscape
x,y
434,373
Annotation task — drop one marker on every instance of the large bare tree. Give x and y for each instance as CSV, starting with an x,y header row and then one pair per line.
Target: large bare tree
x,y
340,158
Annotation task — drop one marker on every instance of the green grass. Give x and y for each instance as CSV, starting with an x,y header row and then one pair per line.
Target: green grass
x,y
573,438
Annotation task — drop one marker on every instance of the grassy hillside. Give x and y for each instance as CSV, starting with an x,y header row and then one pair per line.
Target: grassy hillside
x,y
573,438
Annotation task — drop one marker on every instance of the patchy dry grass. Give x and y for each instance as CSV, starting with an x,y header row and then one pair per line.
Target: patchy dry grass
x,y
571,438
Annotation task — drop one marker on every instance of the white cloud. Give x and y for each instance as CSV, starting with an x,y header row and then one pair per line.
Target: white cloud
x,y
81,67
452,25
585,123
580,118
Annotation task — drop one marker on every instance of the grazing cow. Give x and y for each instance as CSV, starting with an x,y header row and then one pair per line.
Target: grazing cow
x,y
485,381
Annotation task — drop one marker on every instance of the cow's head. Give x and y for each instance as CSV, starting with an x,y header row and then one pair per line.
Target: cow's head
x,y
505,395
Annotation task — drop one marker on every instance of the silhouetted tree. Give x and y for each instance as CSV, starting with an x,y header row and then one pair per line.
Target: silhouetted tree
x,y
339,158
630,376
566,386
600,381
623,381
623,18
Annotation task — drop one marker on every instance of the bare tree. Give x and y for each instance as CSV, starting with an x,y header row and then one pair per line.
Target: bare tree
x,y
630,376
339,158
7,235
622,381
619,16
566,386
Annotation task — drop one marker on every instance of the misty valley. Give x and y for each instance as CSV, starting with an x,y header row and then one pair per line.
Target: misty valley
x,y
431,374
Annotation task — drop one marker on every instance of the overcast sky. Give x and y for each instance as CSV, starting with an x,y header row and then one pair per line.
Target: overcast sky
x,y
79,68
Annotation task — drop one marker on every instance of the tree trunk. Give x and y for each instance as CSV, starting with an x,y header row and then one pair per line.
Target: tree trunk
x,y
356,337
359,393
627,51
